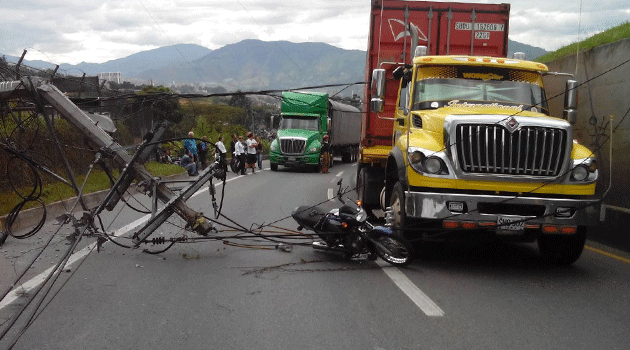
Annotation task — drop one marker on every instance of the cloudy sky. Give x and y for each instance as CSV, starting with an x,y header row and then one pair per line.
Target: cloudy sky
x,y
74,31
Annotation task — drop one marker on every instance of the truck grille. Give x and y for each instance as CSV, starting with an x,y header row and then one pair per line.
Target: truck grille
x,y
292,146
535,151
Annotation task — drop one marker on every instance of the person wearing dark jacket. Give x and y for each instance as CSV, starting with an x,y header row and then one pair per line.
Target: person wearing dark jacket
x,y
202,149
325,155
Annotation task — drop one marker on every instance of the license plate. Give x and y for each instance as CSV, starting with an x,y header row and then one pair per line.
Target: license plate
x,y
291,159
510,225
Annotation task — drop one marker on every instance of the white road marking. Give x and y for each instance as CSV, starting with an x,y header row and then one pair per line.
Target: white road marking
x,y
336,176
411,290
330,193
39,279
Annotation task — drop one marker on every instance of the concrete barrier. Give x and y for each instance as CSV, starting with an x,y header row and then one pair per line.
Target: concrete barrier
x,y
604,75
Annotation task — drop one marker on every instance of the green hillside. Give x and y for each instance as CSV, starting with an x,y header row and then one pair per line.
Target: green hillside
x,y
611,35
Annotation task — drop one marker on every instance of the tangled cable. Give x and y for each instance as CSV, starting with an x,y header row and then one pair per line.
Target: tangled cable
x,y
33,196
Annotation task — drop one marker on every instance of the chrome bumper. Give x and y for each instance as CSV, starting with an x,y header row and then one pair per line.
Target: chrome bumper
x,y
427,205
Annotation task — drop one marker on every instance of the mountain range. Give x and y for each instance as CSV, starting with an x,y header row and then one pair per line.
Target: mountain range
x,y
248,64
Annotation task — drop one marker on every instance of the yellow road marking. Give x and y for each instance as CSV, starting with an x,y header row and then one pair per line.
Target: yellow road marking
x,y
610,255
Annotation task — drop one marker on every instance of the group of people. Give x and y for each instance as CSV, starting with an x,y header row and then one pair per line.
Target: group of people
x,y
248,153
245,153
196,153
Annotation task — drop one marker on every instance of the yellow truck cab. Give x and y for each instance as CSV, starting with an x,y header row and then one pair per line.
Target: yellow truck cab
x,y
475,152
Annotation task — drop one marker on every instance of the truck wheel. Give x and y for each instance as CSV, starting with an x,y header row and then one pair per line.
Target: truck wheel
x,y
361,185
562,250
397,203
274,166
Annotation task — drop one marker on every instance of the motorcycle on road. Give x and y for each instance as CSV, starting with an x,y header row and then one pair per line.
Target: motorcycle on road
x,y
346,230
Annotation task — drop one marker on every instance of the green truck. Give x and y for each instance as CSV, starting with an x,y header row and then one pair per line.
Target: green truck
x,y
305,118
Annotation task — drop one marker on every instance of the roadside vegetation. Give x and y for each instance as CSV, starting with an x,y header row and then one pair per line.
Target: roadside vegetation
x,y
57,191
611,35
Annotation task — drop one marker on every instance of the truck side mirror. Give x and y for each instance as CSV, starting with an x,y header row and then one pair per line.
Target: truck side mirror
x,y
570,101
378,90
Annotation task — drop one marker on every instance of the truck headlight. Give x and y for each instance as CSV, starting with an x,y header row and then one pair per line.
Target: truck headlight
x,y
313,149
579,173
433,164
584,170
416,157
273,147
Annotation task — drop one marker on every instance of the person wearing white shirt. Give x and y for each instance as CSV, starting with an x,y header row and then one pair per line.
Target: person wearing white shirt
x,y
220,145
251,152
220,153
239,151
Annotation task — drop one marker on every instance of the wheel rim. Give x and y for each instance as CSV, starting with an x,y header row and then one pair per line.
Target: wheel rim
x,y
396,206
395,251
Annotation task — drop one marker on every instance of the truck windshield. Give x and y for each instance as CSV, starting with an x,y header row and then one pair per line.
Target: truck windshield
x,y
294,122
439,92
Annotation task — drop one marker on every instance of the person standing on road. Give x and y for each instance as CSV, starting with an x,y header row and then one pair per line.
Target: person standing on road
x,y
222,152
191,146
325,158
232,143
251,152
202,149
239,153
259,152
233,152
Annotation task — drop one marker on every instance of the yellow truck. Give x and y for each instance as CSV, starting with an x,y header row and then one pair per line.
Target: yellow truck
x,y
474,152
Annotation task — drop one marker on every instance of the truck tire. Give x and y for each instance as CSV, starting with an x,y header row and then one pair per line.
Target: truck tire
x,y
562,250
346,157
397,203
362,178
274,166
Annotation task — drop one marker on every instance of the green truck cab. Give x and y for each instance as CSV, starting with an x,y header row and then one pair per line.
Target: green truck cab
x,y
305,118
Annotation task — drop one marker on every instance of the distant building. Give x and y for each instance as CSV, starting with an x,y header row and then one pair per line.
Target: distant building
x,y
111,77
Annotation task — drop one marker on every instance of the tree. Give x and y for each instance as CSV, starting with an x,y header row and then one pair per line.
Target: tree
x,y
241,101
150,106
164,105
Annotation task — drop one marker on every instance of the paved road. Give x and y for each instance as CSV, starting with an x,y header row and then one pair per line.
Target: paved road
x,y
212,295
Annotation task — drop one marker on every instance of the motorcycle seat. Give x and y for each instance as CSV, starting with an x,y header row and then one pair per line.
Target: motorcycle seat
x,y
307,215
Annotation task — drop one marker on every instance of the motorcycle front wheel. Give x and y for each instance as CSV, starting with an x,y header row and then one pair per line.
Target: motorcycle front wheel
x,y
394,249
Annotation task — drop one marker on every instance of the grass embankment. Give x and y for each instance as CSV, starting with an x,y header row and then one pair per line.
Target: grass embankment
x,y
609,36
97,181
